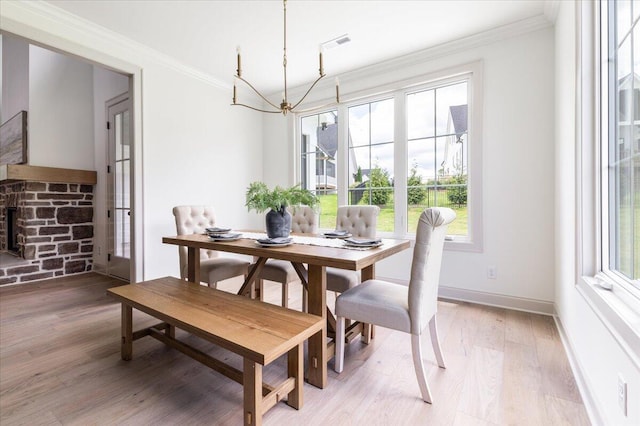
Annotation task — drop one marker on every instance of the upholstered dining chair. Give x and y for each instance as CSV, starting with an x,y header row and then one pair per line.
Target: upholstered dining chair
x,y
361,222
194,220
399,307
304,220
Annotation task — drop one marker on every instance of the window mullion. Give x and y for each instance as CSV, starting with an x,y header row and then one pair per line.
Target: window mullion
x,y
401,164
343,155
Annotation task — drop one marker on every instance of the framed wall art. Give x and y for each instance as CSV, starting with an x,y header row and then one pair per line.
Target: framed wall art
x,y
13,140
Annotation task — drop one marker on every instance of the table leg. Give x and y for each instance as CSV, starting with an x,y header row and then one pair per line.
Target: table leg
x,y
252,382
193,264
317,293
367,273
126,347
247,288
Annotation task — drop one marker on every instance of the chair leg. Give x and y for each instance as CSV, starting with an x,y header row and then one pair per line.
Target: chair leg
x,y
285,295
339,359
435,342
416,350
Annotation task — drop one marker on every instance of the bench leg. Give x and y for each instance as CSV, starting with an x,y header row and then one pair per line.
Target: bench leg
x,y
295,369
252,382
170,331
126,347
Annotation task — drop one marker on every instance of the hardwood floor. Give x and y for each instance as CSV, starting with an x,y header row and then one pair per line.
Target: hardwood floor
x,y
60,364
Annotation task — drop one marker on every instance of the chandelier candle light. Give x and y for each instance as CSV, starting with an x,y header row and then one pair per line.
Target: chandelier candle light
x,y
285,106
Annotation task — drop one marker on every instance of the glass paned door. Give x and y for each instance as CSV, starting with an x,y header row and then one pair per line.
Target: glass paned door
x,y
119,202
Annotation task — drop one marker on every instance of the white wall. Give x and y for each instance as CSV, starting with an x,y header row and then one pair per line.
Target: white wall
x,y
518,166
60,111
197,150
106,85
598,354
15,77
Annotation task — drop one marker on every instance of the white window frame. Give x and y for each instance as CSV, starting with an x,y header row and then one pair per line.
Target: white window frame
x,y
616,302
472,72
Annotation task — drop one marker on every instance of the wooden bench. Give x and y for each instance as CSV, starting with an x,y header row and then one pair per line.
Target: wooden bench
x,y
257,331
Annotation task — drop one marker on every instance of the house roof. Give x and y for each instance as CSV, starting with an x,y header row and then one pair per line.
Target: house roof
x,y
328,139
459,115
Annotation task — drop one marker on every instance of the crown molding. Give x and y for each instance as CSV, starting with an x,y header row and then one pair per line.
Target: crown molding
x,y
58,23
551,8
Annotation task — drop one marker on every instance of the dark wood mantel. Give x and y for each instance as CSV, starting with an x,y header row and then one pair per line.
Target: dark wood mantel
x,y
23,172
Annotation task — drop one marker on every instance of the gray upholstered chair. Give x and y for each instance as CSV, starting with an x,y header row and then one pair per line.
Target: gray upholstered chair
x,y
361,222
408,309
304,220
194,220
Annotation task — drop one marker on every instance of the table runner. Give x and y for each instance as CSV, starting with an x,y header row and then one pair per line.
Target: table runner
x,y
312,241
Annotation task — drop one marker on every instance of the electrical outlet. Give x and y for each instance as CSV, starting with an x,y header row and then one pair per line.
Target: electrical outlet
x,y
492,272
622,394
98,250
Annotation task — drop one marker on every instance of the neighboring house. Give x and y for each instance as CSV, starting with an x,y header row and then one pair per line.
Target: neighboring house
x,y
627,124
327,143
457,124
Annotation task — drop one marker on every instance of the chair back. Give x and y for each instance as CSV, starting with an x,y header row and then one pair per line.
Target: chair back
x,y
304,220
193,220
360,221
425,267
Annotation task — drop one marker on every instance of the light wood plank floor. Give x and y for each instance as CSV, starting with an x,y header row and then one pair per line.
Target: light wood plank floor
x,y
60,364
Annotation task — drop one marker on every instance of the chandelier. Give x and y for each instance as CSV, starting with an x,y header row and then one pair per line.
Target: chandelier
x,y
285,106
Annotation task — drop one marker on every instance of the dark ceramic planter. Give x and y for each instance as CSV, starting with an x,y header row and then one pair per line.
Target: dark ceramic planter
x,y
278,223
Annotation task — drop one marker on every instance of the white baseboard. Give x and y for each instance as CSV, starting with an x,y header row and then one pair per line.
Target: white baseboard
x,y
498,300
99,268
587,398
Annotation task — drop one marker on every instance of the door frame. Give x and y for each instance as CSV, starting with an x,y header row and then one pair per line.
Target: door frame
x,y
125,101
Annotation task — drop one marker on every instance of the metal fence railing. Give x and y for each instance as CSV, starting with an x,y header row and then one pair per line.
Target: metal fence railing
x,y
451,195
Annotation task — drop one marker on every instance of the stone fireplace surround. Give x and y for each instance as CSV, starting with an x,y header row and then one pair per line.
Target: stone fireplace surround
x,y
55,229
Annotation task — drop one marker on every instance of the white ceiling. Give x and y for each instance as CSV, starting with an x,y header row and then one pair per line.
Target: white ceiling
x,y
204,34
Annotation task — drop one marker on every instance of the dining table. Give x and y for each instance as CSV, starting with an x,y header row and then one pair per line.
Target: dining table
x,y
317,253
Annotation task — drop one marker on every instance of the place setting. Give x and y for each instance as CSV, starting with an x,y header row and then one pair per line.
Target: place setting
x,y
222,234
274,242
337,234
362,243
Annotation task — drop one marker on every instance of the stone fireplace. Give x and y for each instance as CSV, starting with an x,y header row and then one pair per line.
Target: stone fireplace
x,y
13,246
45,225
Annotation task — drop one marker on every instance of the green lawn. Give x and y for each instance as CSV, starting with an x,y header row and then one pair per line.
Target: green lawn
x,y
329,206
628,244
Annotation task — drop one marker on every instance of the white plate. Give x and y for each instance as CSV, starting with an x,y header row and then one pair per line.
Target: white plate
x,y
217,230
274,244
347,244
221,238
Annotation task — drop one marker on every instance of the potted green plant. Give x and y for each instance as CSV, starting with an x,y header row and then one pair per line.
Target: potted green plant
x,y
276,200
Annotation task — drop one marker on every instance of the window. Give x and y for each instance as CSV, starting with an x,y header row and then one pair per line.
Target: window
x,y
437,145
371,149
404,149
620,154
318,162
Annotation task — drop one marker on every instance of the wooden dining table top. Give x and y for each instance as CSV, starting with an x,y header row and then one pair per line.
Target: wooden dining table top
x,y
336,257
